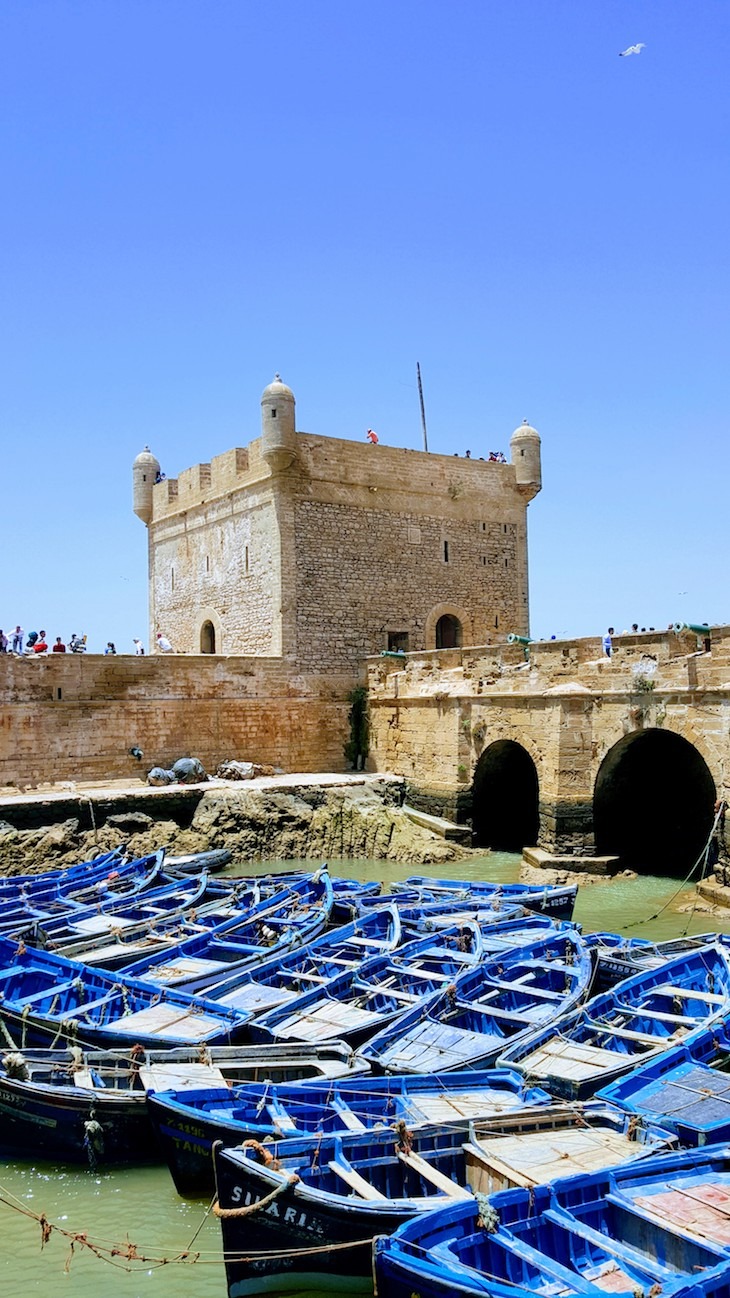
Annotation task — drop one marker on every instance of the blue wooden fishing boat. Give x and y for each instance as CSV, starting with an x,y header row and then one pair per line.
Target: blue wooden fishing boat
x,y
85,871
292,916
280,979
89,1106
189,1122
356,1003
618,957
118,945
343,1189
659,1225
468,1024
116,877
349,894
643,1016
48,1000
556,900
687,1089
55,932
496,924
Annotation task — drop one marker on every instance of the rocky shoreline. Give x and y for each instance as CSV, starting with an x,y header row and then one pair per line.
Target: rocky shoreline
x,y
307,820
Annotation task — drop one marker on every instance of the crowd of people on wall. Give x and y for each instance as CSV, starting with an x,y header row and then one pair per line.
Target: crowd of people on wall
x,y
37,642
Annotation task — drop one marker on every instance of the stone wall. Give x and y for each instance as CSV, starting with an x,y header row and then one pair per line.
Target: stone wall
x,y
219,562
75,717
434,714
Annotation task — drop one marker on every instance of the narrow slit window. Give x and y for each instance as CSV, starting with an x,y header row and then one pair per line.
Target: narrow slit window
x,y
172,579
245,560
207,563
273,416
446,552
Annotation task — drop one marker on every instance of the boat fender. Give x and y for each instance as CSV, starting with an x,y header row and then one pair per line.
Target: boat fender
x,y
16,1066
405,1137
93,1141
488,1218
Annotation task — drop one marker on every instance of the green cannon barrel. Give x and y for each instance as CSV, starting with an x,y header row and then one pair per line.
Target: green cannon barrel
x,y
699,628
512,638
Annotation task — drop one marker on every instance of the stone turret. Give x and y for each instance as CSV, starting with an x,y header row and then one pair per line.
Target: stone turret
x,y
144,475
278,426
525,453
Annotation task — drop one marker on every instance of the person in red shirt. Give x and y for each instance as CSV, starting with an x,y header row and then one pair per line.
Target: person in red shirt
x,y
59,647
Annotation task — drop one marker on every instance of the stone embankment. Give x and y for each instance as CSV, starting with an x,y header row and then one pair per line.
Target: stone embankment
x,y
283,818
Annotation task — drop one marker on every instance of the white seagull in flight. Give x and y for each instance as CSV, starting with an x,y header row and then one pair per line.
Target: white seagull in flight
x,y
632,49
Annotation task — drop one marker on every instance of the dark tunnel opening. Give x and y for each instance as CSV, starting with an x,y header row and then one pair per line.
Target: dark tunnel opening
x,y
653,803
505,798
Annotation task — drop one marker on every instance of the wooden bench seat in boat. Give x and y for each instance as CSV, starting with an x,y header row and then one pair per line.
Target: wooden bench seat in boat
x,y
433,1175
348,1118
645,1037
377,944
682,1020
355,1181
540,993
58,990
691,993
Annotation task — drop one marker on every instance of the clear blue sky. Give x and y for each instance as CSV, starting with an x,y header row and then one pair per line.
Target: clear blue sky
x,y
199,194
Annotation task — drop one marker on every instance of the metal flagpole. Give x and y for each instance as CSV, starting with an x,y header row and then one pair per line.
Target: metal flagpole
x,y
423,408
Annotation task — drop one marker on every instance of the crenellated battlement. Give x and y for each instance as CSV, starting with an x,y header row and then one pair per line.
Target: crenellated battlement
x,y
323,548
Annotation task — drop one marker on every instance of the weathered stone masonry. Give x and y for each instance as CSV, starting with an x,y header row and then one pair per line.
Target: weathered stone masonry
x,y
325,550
433,714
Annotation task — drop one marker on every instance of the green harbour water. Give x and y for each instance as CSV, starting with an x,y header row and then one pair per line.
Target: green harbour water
x,y
140,1205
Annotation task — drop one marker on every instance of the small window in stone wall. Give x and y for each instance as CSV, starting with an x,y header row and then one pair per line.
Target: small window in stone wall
x,y
446,552
398,640
207,563
172,579
245,560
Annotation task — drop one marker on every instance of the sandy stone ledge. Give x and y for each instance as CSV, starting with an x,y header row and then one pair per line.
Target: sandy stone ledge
x,y
287,817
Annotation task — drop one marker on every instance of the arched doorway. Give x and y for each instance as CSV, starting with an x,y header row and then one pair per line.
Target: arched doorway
x,y
207,638
448,632
653,803
505,797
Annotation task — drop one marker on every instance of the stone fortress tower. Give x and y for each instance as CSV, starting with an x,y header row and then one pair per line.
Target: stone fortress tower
x,y
322,550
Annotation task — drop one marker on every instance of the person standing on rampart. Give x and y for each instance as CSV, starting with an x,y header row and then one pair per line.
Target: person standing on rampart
x,y
18,640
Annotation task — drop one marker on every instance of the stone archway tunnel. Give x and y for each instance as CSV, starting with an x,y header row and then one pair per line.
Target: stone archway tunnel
x,y
505,798
653,803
